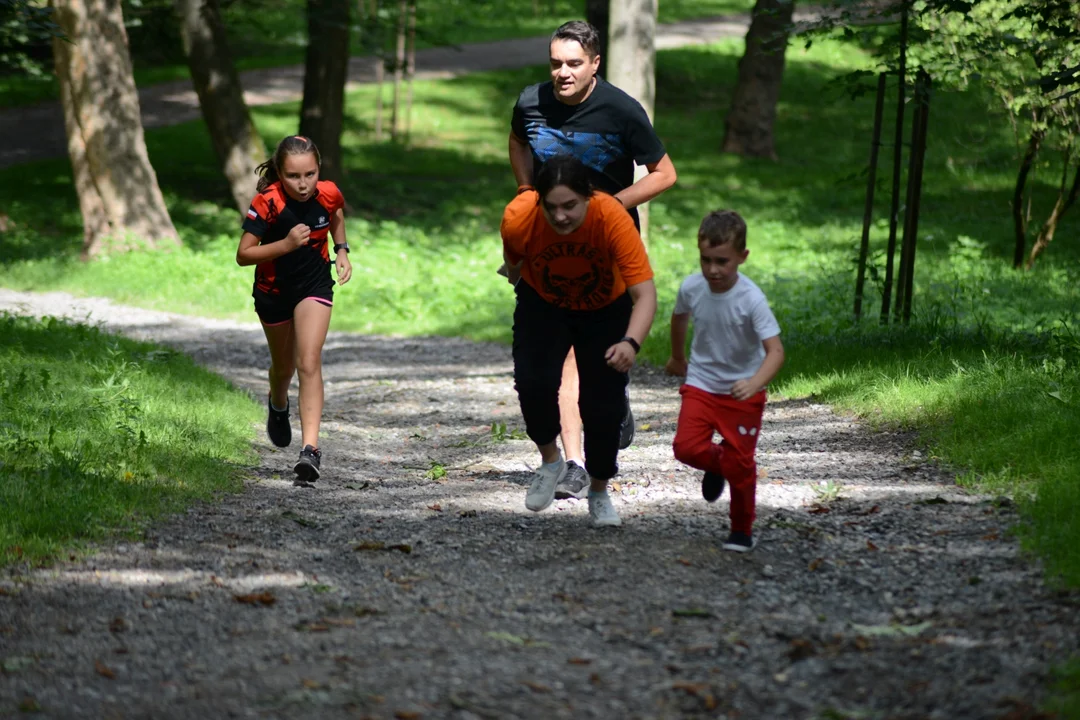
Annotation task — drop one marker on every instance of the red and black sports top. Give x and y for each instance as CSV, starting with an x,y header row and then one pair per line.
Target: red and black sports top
x,y
270,218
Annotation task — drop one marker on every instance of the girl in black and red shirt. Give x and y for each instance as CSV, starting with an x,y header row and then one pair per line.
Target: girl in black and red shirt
x,y
287,231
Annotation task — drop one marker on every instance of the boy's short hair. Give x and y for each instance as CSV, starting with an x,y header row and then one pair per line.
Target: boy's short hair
x,y
721,227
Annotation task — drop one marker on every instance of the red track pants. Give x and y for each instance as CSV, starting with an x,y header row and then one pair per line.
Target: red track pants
x,y
739,424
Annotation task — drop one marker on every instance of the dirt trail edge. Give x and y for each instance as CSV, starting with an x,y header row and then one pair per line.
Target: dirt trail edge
x,y
397,594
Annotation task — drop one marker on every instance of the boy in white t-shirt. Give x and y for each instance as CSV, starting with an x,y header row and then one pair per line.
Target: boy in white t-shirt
x,y
735,353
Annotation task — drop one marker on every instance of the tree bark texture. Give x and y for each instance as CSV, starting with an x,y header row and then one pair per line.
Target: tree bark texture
x,y
1061,206
871,185
236,142
597,15
1019,220
119,196
898,156
399,67
632,63
750,121
325,70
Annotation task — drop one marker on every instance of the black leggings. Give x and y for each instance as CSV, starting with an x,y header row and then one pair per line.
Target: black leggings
x,y
543,335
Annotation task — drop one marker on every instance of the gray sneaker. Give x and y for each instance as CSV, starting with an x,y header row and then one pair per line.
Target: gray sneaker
x,y
574,485
602,512
542,490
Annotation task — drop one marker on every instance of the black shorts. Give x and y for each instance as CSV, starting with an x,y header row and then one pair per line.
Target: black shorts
x,y
278,309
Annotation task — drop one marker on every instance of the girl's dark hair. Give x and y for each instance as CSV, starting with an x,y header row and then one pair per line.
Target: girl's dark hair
x,y
563,170
580,31
269,171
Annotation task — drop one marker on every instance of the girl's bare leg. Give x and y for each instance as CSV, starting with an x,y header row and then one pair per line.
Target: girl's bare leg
x,y
311,319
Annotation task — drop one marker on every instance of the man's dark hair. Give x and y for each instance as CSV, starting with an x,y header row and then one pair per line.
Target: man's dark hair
x,y
721,227
584,33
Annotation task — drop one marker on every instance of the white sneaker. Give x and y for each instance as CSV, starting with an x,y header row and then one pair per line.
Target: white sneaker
x,y
602,512
542,490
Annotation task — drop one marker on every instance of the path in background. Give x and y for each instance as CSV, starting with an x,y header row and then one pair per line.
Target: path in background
x,y
398,594
40,128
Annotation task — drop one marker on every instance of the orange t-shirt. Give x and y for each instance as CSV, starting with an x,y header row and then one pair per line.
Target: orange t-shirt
x,y
585,270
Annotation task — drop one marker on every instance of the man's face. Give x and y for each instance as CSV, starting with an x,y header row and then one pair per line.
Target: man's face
x,y
572,70
720,265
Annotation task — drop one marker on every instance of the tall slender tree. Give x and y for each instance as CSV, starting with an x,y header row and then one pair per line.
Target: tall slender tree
x,y
236,142
119,197
325,70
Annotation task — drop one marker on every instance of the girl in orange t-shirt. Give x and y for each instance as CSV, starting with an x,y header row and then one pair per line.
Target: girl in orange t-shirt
x,y
585,282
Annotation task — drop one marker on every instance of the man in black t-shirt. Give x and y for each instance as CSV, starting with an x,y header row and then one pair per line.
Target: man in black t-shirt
x,y
579,113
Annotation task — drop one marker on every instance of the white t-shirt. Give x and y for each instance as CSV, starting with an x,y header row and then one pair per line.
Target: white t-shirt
x,y
729,328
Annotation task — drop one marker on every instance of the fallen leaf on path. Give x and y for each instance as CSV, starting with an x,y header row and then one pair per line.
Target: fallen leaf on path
x,y
800,649
990,536
871,511
340,622
871,546
263,598
579,661
684,561
370,545
690,688
298,519
616,487
535,686
310,684
104,670
646,427
407,715
815,563
467,513
818,509
436,507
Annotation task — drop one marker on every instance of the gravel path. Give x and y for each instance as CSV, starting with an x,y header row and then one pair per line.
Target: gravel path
x,y
394,595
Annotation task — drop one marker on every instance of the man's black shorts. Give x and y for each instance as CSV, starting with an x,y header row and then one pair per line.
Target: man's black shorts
x,y
278,309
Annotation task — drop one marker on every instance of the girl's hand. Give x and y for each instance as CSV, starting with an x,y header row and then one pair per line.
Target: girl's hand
x,y
620,356
299,235
344,267
676,367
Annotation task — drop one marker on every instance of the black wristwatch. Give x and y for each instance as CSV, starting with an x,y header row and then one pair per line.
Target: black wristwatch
x,y
341,246
633,343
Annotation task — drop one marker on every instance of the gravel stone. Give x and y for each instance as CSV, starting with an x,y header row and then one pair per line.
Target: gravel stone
x,y
392,594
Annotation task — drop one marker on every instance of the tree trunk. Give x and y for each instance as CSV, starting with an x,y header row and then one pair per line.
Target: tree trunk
x,y
1061,206
1019,221
236,142
118,190
399,68
750,121
410,67
632,66
597,15
898,156
919,125
325,69
871,185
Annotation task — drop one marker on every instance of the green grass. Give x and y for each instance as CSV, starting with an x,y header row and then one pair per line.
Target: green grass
x,y
273,33
1065,692
99,434
974,375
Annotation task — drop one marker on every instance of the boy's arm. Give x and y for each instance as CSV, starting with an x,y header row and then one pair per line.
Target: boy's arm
x,y
680,325
774,360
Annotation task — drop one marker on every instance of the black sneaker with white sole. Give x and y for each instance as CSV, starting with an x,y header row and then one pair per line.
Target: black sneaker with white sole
x,y
277,424
740,542
307,467
712,486
575,484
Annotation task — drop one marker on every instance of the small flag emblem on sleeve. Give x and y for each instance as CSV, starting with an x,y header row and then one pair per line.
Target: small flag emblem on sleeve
x,y
252,214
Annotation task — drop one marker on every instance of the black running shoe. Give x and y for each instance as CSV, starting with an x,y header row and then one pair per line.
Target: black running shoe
x,y
626,430
307,467
740,542
575,484
712,486
277,424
